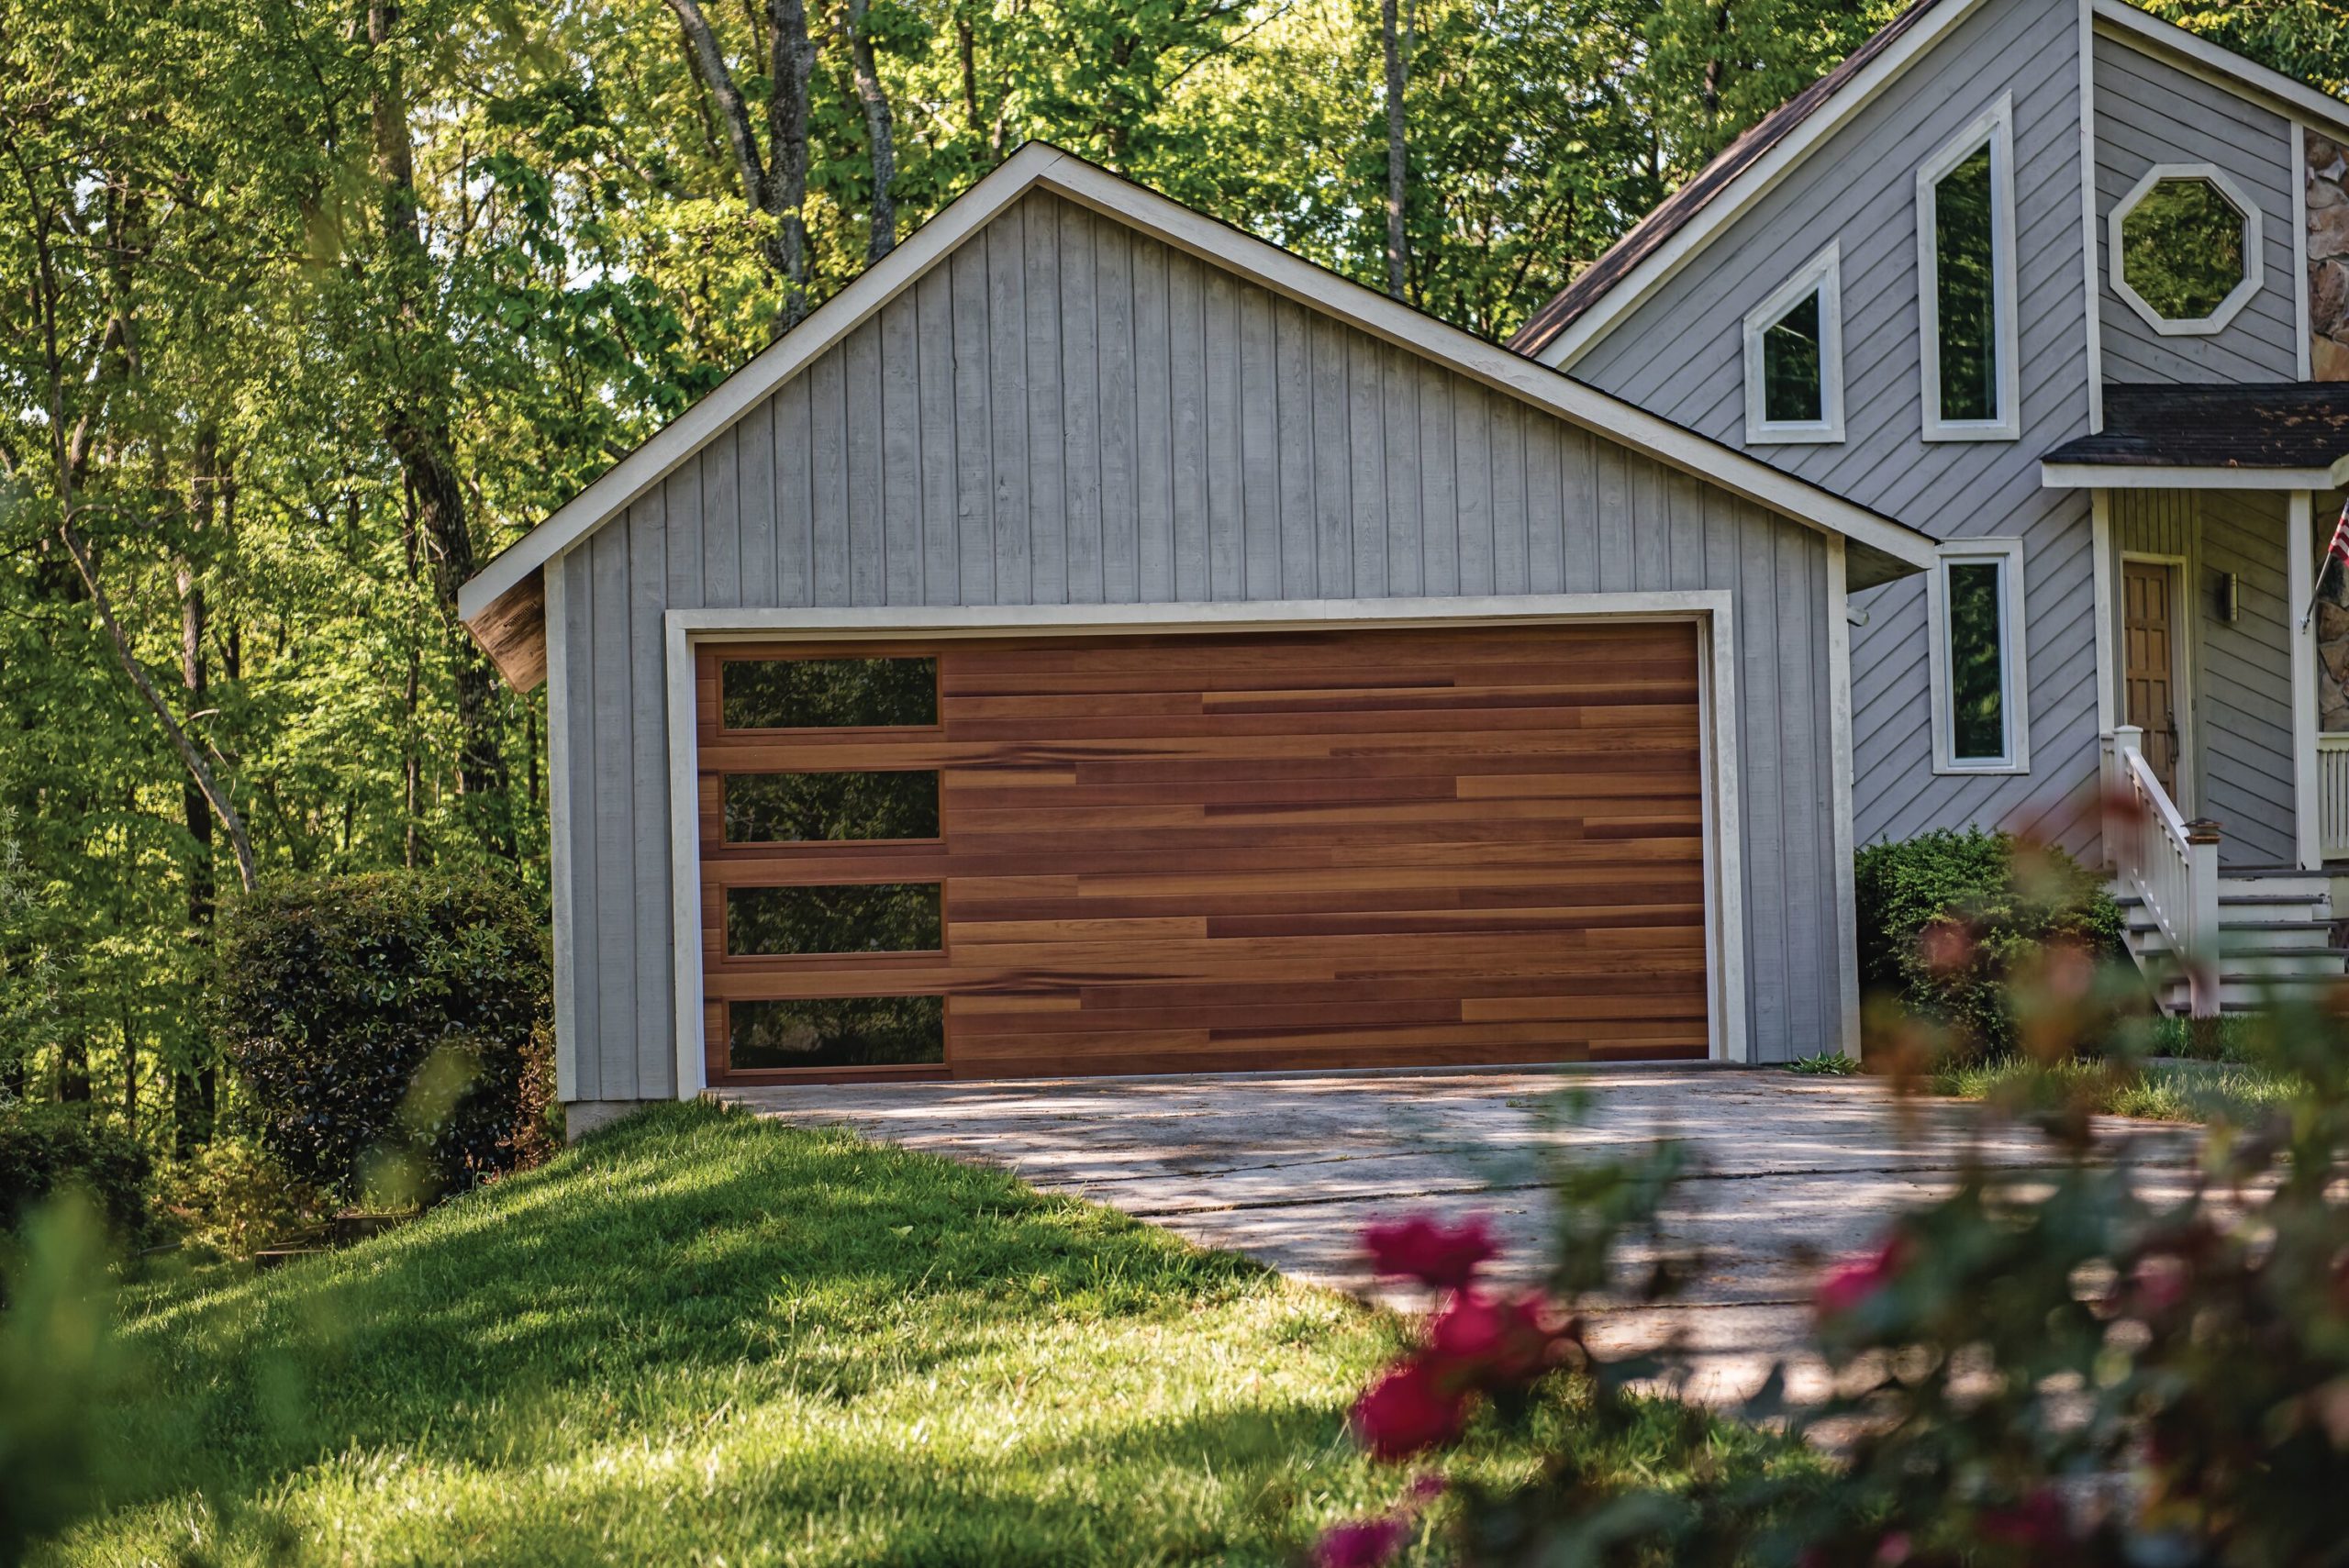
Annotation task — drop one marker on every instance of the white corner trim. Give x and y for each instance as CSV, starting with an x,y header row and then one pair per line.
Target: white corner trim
x,y
2014,661
566,949
1839,680
2254,249
2091,316
685,860
1993,128
2144,476
1821,276
1750,186
2301,330
1712,609
2107,647
1037,166
2299,555
2284,94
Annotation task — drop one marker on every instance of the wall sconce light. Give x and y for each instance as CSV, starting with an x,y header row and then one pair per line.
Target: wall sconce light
x,y
2229,605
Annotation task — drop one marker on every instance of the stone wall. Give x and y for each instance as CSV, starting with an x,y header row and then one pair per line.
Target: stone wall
x,y
2328,197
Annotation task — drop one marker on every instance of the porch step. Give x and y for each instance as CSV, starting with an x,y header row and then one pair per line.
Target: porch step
x,y
2276,938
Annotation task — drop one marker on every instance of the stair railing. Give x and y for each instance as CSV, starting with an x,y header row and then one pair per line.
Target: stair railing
x,y
2172,864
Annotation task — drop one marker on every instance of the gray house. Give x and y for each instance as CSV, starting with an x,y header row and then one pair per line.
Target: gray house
x,y
2055,283
1100,641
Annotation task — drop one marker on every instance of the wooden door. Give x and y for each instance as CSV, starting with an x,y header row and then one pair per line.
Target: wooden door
x,y
1219,852
2150,666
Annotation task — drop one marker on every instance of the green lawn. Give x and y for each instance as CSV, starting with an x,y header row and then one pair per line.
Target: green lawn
x,y
2188,1091
701,1338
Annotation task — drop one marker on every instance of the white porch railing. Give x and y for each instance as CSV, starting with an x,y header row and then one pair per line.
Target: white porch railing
x,y
2171,864
2332,796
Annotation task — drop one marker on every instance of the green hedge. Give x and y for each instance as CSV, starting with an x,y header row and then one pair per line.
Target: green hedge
x,y
1946,918
44,1148
384,1024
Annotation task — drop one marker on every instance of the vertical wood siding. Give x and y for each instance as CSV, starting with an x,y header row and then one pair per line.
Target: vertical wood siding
x,y
1681,354
2149,113
1064,411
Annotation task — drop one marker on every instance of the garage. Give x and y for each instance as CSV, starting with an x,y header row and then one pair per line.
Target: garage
x,y
1097,641
1007,857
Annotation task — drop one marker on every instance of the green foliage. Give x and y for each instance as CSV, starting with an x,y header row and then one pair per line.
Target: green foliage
x,y
1826,1064
1951,922
382,1025
47,1151
2066,1361
234,1196
58,1359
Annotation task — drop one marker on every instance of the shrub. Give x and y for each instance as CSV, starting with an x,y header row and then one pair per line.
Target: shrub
x,y
46,1149
382,1025
234,1195
1950,921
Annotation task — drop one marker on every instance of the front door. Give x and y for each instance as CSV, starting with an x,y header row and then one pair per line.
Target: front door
x,y
2149,600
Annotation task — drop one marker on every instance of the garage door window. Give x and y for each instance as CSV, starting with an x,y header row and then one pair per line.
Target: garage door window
x,y
855,1031
776,808
856,917
827,694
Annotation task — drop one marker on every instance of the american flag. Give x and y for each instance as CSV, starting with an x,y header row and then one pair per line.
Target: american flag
x,y
2338,550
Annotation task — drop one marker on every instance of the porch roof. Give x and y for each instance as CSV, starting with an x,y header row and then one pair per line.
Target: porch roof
x,y
2267,435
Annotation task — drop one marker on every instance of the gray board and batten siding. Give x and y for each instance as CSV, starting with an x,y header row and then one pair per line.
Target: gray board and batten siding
x,y
1064,410
2149,113
1679,353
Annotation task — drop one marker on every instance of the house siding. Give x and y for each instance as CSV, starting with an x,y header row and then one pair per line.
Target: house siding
x,y
2148,112
1066,412
1681,354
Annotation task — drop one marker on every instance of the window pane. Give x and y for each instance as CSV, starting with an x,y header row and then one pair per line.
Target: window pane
x,y
871,917
769,808
1791,360
2181,249
823,694
863,1031
1977,688
1966,308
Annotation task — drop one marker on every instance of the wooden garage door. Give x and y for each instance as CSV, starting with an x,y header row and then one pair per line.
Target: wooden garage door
x,y
1167,853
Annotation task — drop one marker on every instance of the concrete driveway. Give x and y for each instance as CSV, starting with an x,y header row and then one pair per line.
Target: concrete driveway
x,y
1789,1170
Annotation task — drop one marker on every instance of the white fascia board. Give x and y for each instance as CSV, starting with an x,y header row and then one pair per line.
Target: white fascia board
x,y
1236,251
639,472
2118,476
1750,186
2293,99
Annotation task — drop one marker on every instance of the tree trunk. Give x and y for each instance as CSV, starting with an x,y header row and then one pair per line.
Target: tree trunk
x,y
205,486
878,132
791,67
419,435
73,1068
1397,38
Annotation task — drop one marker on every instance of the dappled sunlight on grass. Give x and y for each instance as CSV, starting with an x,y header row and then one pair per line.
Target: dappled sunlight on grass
x,y
700,1337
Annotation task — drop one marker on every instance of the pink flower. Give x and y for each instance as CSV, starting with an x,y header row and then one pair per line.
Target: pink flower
x,y
1364,1543
1444,1258
2162,1281
1478,1339
1408,1411
2039,1524
1853,1281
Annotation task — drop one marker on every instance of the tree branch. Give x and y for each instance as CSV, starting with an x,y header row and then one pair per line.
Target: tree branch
x,y
709,63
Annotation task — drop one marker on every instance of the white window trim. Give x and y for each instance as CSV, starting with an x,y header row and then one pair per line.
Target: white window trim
x,y
2014,675
1995,126
2255,254
1822,275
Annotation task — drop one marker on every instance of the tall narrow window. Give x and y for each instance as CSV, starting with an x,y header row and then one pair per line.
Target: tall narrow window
x,y
1976,622
1965,266
1793,358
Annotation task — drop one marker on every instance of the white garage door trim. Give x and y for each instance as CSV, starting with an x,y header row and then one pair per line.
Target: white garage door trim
x,y
1710,610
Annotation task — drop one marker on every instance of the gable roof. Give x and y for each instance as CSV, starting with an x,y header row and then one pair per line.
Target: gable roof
x,y
1676,211
497,603
1628,271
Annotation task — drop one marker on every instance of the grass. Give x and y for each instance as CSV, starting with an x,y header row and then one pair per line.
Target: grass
x,y
2156,1092
701,1338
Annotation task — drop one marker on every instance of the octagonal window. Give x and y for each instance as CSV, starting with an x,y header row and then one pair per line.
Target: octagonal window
x,y
2186,249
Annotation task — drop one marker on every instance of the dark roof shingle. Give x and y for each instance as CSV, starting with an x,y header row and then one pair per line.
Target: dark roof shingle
x,y
2290,424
